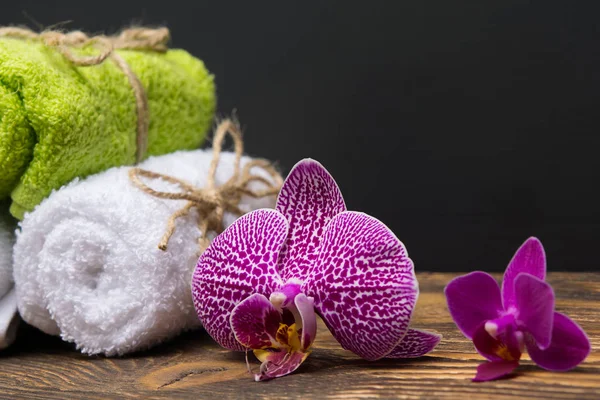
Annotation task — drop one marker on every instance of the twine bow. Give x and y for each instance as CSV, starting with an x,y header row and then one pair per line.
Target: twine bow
x,y
213,201
130,39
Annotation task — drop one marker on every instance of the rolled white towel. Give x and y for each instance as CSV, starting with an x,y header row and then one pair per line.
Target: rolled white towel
x,y
8,308
86,262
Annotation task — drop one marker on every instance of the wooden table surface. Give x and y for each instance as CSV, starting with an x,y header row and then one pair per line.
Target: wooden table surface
x,y
192,366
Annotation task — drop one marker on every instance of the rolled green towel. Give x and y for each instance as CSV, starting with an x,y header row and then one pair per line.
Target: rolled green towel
x,y
59,121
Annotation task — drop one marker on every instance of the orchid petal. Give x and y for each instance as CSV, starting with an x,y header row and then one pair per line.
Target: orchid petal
x,y
493,370
529,258
306,309
363,284
240,261
534,299
569,347
308,199
416,343
278,363
506,346
255,322
473,299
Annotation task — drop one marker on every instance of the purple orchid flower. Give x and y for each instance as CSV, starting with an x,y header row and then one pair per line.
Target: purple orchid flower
x,y
260,282
502,323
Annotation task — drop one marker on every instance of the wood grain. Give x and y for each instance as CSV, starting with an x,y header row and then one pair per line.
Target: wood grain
x,y
192,366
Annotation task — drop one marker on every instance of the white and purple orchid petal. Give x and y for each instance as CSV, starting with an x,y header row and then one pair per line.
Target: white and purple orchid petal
x,y
472,300
494,370
569,347
306,310
363,284
416,343
529,258
240,262
534,300
280,363
308,199
255,321
505,345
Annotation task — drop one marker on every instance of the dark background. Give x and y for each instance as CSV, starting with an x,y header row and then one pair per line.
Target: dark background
x,y
466,126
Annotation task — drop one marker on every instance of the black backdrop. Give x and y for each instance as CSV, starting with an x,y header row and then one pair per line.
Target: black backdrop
x,y
465,126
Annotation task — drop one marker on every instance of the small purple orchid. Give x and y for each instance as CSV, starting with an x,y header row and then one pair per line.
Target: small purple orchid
x,y
259,283
502,323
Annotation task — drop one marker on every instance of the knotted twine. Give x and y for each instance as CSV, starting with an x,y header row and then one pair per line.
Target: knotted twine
x,y
213,201
130,39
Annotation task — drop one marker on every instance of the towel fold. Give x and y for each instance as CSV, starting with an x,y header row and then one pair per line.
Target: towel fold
x,y
87,265
59,121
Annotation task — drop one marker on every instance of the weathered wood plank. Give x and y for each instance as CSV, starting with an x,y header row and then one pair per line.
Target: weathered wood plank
x,y
192,366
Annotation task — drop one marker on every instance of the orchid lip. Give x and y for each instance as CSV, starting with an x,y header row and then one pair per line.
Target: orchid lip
x,y
280,333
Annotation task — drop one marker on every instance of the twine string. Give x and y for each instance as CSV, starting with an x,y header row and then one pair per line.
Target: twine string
x,y
142,39
212,201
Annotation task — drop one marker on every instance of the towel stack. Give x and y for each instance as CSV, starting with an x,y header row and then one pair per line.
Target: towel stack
x,y
86,262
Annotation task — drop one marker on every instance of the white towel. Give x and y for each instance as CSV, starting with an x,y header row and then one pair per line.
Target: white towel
x,y
87,266
8,307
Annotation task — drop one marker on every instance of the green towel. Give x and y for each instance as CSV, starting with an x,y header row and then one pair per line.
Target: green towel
x,y
58,121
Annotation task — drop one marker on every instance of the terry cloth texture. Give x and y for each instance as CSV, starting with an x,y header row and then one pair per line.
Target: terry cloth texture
x,y
58,121
86,261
